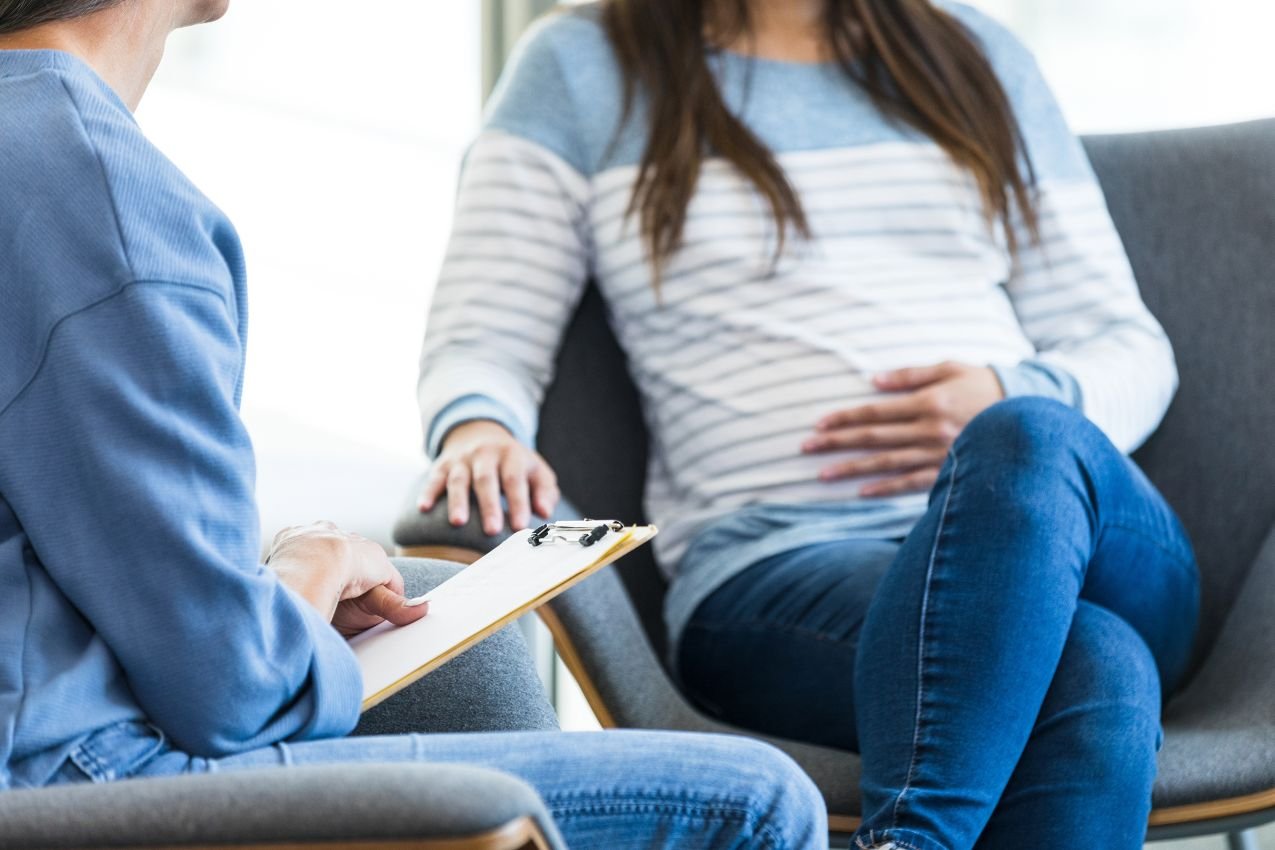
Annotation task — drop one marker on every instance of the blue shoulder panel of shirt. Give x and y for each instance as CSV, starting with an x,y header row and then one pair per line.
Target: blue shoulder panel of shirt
x,y
563,90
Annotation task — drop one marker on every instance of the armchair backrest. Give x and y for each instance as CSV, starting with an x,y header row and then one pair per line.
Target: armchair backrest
x,y
1196,210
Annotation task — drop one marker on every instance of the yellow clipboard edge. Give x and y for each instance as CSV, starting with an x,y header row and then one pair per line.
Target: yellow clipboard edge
x,y
634,536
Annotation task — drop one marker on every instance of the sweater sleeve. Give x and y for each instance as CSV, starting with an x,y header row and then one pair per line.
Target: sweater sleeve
x,y
519,251
1074,291
128,466
515,268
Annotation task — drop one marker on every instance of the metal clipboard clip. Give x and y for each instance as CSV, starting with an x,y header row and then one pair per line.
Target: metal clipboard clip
x,y
586,532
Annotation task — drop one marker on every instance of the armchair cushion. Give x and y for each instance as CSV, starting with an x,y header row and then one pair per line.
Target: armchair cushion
x,y
1220,731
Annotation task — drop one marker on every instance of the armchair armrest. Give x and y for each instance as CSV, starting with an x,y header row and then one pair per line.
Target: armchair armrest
x,y
436,807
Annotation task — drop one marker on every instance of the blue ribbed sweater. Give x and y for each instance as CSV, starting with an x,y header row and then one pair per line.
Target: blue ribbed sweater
x,y
130,588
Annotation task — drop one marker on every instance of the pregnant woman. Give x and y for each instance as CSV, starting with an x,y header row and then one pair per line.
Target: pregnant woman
x,y
892,357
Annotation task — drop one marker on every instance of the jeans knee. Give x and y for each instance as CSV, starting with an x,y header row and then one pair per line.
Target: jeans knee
x,y
790,808
1034,455
1029,431
1106,695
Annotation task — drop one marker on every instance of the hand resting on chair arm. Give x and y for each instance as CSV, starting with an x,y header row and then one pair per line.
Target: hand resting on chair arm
x,y
484,455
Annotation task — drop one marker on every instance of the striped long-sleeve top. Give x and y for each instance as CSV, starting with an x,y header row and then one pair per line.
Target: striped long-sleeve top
x,y
739,355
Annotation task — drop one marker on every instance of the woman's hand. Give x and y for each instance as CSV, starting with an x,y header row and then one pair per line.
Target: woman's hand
x,y
346,576
907,437
485,456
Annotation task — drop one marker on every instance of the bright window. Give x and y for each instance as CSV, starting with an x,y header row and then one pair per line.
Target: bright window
x,y
1150,64
332,137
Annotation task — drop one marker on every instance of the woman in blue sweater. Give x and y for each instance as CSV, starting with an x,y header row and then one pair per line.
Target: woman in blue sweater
x,y
139,633
892,357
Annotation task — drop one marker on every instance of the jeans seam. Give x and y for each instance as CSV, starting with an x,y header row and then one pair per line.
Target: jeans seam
x,y
920,655
704,811
89,762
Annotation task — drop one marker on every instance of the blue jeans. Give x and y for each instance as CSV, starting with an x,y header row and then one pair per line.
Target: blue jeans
x,y
1001,669
618,790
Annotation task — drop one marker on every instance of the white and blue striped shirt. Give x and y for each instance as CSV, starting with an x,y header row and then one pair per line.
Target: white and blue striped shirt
x,y
740,355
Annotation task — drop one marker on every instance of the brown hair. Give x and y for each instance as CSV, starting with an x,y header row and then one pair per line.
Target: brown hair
x,y
916,62
18,15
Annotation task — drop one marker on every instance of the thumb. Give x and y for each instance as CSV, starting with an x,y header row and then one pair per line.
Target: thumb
x,y
383,602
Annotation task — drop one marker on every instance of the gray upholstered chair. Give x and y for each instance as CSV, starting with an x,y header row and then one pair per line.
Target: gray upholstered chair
x,y
491,687
364,807
1196,209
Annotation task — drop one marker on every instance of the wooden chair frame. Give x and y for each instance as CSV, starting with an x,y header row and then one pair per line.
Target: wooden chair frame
x,y
519,834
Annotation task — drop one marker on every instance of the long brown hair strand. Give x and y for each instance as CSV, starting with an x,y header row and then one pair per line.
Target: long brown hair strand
x,y
917,63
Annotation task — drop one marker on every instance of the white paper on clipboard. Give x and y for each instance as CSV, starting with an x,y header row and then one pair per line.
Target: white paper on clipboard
x,y
508,581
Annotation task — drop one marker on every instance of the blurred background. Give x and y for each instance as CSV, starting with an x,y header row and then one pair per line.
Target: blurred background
x,y
331,133
333,141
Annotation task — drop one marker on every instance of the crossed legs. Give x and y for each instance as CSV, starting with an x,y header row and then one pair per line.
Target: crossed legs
x,y
1000,670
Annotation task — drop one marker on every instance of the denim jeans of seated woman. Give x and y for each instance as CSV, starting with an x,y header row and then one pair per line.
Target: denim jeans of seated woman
x,y
1001,670
615,790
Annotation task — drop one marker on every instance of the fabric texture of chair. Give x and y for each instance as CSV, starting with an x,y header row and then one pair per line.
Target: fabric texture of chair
x,y
333,803
1196,210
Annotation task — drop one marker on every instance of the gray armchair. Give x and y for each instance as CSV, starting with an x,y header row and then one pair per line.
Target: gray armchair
x,y
492,687
1196,209
431,807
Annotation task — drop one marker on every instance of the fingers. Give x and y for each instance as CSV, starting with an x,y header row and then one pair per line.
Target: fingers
x,y
544,488
382,602
884,463
435,484
458,494
917,481
395,583
374,607
513,480
487,482
914,377
889,435
493,466
901,409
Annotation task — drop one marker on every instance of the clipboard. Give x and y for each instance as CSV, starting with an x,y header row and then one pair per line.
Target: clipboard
x,y
527,570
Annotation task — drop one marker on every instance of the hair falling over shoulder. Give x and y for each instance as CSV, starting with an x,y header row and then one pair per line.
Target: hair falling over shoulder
x,y
918,64
18,15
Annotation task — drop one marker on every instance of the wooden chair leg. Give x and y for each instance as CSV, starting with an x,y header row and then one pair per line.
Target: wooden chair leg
x,y
457,554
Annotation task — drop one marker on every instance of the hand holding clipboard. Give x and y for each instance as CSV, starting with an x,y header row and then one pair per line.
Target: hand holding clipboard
x,y
525,571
